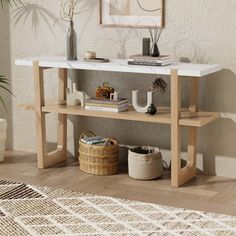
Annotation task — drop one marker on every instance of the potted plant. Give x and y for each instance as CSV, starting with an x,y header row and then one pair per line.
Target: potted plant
x,y
3,87
3,122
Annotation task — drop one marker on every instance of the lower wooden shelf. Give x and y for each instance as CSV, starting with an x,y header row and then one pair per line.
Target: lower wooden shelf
x,y
194,119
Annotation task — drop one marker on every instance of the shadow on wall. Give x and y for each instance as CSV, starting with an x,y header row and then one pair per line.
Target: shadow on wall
x,y
34,13
38,15
5,69
217,141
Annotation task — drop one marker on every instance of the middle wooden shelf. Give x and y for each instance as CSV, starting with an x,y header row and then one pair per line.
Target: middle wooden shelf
x,y
163,116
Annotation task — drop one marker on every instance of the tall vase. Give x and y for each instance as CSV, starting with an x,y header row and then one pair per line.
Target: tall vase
x,y
71,43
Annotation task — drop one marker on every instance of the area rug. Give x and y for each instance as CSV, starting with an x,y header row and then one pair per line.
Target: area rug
x,y
31,210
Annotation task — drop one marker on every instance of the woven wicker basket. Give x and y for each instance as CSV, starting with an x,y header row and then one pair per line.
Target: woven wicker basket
x,y
98,160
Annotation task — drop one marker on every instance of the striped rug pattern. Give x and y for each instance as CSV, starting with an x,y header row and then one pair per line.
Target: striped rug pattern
x,y
31,210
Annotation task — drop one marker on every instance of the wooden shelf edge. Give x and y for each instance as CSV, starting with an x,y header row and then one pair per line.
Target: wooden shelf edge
x,y
199,119
192,119
29,106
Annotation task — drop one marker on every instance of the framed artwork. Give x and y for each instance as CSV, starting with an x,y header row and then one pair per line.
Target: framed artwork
x,y
132,13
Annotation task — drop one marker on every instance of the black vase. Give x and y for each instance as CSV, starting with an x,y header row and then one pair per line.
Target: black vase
x,y
71,43
155,51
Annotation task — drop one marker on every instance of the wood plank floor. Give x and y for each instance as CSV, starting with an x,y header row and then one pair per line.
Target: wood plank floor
x,y
213,194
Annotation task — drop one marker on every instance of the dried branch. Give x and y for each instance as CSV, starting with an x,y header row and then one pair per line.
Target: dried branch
x,y
69,9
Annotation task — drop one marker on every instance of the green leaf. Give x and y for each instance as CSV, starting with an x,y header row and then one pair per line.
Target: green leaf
x,y
3,83
6,89
3,103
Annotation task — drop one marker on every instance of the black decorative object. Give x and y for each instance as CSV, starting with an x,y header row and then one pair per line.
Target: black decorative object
x,y
71,43
159,84
155,51
152,110
155,36
146,46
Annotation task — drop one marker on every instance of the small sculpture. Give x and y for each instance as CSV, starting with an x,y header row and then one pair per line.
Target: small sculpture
x,y
105,91
158,84
76,97
135,104
115,96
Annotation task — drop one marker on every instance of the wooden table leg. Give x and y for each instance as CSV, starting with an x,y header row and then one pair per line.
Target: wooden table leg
x,y
40,116
60,154
189,171
194,94
62,118
175,128
180,176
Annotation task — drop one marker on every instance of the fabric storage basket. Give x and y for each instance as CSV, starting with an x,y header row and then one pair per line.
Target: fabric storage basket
x,y
145,163
98,160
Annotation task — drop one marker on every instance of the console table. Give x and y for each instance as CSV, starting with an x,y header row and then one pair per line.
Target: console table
x,y
175,116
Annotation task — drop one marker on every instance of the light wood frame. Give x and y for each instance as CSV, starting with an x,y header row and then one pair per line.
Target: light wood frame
x,y
162,24
46,159
179,175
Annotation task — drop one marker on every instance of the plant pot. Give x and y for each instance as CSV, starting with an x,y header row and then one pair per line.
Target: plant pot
x,y
145,163
3,135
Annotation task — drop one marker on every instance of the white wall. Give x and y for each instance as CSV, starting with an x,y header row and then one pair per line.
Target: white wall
x,y
206,29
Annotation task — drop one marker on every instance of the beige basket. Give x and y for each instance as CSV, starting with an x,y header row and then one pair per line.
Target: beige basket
x,y
145,166
98,160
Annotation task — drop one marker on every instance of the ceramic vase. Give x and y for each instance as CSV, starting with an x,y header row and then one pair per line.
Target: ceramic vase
x,y
135,104
71,43
155,50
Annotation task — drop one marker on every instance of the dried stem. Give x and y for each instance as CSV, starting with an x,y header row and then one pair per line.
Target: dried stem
x,y
69,9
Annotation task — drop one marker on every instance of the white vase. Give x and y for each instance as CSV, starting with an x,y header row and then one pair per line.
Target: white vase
x,y
3,135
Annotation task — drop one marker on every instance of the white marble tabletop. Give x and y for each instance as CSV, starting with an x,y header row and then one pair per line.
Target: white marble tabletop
x,y
121,65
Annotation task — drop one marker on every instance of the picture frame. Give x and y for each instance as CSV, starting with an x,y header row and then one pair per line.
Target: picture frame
x,y
132,13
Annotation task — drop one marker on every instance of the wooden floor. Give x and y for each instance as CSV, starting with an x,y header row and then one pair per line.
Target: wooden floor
x,y
213,194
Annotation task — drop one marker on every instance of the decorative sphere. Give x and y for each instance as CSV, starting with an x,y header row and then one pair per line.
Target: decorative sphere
x,y
152,109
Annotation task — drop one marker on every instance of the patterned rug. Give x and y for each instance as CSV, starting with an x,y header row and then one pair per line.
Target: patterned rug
x,y
30,210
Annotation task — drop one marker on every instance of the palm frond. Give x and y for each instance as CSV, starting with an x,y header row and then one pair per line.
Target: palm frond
x,y
3,103
3,83
10,2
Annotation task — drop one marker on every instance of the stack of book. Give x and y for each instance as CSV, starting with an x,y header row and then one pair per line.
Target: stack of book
x,y
95,104
163,60
97,140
